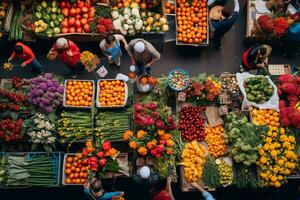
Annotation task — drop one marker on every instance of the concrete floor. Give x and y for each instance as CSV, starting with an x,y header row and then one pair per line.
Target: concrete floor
x,y
195,61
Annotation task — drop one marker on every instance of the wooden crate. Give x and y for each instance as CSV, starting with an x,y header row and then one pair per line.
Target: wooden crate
x,y
6,84
212,116
123,157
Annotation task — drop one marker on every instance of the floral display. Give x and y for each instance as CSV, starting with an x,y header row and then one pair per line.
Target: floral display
x,y
12,101
275,27
203,87
149,116
104,25
46,92
156,144
289,91
40,130
101,157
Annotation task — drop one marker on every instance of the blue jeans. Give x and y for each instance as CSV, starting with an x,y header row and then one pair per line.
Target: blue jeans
x,y
36,65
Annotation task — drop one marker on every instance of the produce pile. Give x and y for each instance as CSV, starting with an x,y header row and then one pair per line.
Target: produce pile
x,y
229,83
277,157
214,137
10,130
110,125
192,21
265,117
258,89
169,8
47,18
225,172
79,93
244,139
191,123
76,169
46,92
73,126
211,173
77,16
193,161
13,101
164,165
3,10
111,93
154,22
289,104
40,170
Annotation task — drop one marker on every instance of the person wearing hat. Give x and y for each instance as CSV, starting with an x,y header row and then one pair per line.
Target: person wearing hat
x,y
256,57
111,47
221,21
142,54
68,52
145,178
25,53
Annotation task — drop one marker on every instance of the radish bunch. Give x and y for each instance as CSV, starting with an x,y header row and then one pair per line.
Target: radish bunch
x,y
191,123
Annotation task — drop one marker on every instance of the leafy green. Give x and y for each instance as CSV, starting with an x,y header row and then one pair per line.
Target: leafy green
x,y
244,176
210,173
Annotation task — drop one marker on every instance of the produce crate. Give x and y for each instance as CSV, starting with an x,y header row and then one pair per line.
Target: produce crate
x,y
225,75
279,69
205,43
212,116
65,98
6,84
63,174
95,61
55,157
99,91
186,186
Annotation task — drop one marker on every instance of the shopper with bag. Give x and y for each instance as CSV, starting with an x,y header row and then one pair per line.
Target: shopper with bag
x,y
256,57
142,54
25,53
111,48
69,54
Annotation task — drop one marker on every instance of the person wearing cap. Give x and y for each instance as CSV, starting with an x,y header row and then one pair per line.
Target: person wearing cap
x,y
145,178
256,57
68,52
142,54
25,53
206,195
111,47
221,21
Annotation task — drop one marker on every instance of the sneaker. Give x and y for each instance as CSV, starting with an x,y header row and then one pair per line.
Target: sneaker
x,y
74,76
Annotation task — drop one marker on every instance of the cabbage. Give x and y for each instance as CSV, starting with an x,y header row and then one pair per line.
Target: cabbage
x,y
43,86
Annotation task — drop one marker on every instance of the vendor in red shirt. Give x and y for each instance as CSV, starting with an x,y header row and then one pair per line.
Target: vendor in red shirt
x,y
68,53
25,53
163,190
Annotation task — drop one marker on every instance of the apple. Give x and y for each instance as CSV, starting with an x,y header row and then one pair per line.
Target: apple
x,y
71,30
86,28
73,12
79,30
64,30
83,21
84,10
62,4
77,23
91,13
68,5
71,21
65,12
64,23
86,16
78,11
79,4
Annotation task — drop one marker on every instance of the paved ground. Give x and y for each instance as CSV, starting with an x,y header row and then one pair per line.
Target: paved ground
x,y
195,60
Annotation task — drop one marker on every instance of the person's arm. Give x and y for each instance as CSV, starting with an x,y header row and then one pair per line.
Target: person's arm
x,y
110,195
74,48
206,195
30,55
13,55
103,48
154,53
120,38
169,188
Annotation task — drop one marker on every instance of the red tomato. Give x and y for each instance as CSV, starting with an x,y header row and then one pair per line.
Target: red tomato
x,y
79,30
73,12
64,30
71,21
80,4
65,12
64,23
83,21
62,4
68,5
71,30
77,23
84,10
86,16
91,14
86,28
87,4
78,11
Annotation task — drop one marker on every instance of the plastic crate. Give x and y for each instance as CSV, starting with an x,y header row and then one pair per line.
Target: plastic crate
x,y
63,174
99,90
65,98
55,157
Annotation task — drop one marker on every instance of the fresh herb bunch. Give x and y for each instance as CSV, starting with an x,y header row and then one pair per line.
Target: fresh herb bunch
x,y
210,173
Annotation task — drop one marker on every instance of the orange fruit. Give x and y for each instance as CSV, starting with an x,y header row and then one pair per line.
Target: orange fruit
x,y
69,159
68,171
143,6
68,181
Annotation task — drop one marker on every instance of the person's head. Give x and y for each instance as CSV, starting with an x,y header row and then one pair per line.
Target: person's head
x,y
18,49
109,38
158,186
264,51
144,172
96,187
139,47
62,43
226,13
